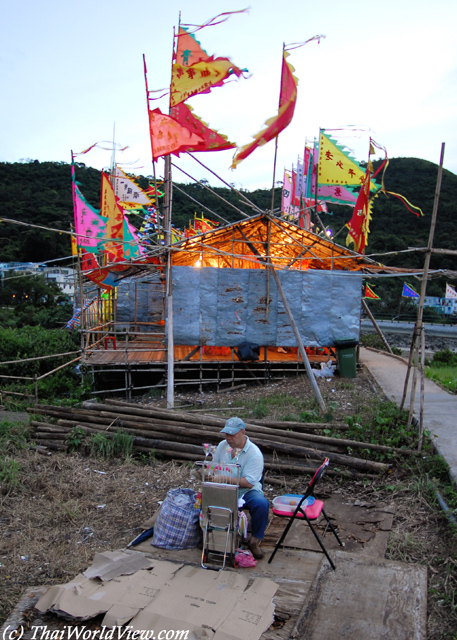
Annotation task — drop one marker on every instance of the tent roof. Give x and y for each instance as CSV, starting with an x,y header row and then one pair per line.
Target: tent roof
x,y
245,244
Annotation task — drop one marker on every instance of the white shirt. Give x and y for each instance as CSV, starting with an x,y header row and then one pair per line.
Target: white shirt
x,y
250,459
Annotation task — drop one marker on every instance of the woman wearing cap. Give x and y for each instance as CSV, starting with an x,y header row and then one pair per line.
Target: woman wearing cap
x,y
250,459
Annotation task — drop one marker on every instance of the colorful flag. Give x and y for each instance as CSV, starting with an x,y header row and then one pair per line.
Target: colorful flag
x,y
286,194
202,225
200,77
451,293
168,136
370,294
89,225
212,141
336,166
114,215
408,292
337,194
127,191
359,224
188,49
287,101
94,272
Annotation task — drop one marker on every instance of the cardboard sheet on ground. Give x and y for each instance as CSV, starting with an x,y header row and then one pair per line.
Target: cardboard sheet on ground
x,y
167,596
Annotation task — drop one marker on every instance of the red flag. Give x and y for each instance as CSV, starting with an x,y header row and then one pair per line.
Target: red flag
x,y
212,141
358,225
287,100
168,136
188,49
369,293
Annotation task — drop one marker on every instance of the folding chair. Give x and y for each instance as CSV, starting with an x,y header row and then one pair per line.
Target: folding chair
x,y
310,513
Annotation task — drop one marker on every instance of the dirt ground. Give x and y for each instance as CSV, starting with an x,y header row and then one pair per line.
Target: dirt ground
x,y
69,507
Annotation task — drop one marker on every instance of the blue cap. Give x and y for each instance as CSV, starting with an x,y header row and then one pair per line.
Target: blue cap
x,y
233,425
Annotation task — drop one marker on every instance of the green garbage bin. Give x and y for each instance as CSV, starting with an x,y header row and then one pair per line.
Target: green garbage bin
x,y
347,360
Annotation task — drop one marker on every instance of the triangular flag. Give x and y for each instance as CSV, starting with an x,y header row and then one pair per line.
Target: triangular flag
x,y
370,294
168,136
336,166
408,292
127,191
212,141
188,49
200,77
110,209
287,101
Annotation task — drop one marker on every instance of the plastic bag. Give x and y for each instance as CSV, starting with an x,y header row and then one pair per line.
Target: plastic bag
x,y
178,526
327,370
244,559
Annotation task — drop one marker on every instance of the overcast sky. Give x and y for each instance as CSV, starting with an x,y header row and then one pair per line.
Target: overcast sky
x,y
70,71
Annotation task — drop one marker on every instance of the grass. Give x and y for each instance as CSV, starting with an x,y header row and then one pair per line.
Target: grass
x,y
445,376
13,438
105,447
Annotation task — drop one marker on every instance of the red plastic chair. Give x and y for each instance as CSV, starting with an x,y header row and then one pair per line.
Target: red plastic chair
x,y
310,514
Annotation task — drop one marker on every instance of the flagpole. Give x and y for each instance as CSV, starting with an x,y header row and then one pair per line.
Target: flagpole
x,y
169,279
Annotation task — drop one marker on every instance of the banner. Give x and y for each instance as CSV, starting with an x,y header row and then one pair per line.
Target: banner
x,y
451,293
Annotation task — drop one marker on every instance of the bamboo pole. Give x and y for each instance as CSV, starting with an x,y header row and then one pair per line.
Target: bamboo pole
x,y
376,326
419,322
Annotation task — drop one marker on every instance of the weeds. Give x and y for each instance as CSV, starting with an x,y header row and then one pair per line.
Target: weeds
x,y
107,446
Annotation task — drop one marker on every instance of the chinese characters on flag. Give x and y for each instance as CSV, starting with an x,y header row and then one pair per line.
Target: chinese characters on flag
x,y
115,222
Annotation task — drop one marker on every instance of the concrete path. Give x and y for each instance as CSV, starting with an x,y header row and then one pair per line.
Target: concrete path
x,y
440,407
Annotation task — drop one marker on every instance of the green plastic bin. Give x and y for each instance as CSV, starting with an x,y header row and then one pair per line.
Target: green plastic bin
x,y
347,359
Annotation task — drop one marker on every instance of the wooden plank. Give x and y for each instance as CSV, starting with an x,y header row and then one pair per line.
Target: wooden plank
x,y
366,599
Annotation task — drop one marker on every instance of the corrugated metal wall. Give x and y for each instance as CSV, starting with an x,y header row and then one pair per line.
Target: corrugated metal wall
x,y
149,300
223,307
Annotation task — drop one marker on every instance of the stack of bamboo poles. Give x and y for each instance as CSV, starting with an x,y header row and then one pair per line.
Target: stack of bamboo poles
x,y
287,446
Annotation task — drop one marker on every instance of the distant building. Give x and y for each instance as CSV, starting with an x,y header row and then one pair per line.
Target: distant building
x,y
64,277
446,306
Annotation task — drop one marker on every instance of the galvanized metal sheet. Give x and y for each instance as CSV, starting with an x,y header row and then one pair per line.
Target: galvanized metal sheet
x,y
223,307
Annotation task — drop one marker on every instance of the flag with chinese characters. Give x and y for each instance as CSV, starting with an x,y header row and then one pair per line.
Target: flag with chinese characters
x,y
168,136
200,77
212,140
90,227
359,224
451,293
287,101
286,194
336,194
370,294
188,49
337,167
127,191
408,292
114,215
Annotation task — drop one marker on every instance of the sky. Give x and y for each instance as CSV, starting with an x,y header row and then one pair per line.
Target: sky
x,y
71,75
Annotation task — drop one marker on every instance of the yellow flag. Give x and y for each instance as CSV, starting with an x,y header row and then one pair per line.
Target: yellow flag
x,y
201,77
115,223
335,166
